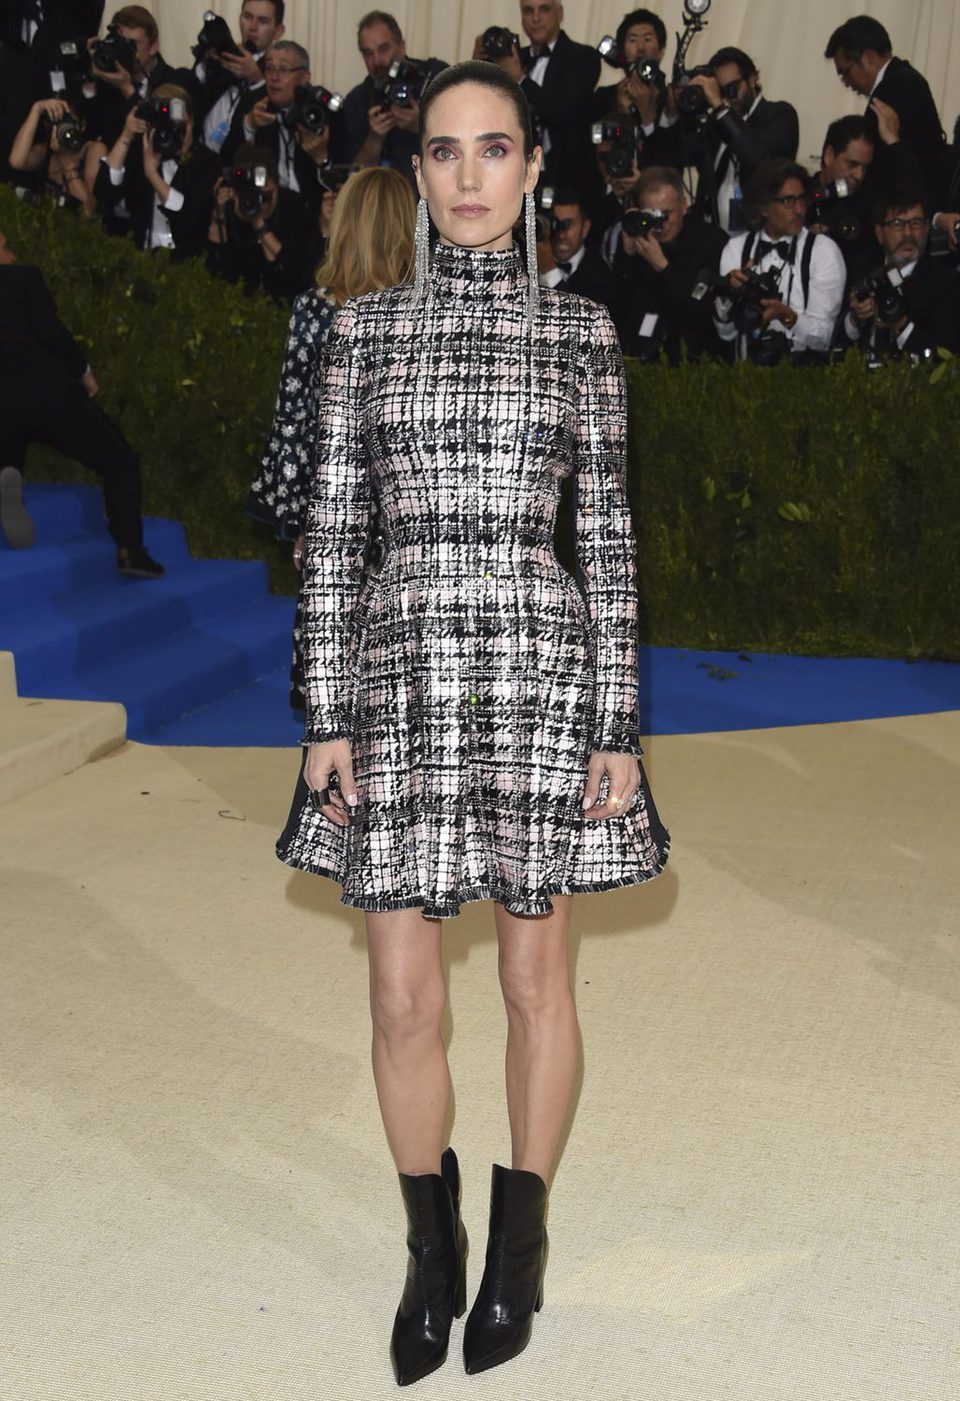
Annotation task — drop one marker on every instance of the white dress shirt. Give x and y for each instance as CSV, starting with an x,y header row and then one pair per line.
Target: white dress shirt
x,y
158,233
815,321
880,76
866,331
556,277
536,73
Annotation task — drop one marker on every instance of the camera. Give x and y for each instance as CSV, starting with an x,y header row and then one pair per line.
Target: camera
x,y
622,131
68,131
250,184
311,108
643,223
167,118
768,347
334,177
114,52
836,222
404,86
884,286
497,42
646,69
692,101
75,57
747,314
214,37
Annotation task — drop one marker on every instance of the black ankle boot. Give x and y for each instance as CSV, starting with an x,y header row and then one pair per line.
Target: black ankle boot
x,y
435,1292
511,1291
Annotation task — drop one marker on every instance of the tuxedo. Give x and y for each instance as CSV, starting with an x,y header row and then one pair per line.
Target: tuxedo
x,y
193,182
908,93
561,106
731,141
593,279
931,294
42,399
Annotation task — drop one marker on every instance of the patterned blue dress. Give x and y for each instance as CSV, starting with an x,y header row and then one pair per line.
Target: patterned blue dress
x,y
471,674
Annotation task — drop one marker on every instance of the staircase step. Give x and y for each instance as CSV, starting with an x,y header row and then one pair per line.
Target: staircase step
x,y
29,576
255,716
77,630
63,512
165,679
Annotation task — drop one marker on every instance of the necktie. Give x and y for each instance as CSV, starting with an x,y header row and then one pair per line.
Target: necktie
x,y
782,249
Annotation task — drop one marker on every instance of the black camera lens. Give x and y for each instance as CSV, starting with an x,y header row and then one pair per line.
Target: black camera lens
x,y
497,42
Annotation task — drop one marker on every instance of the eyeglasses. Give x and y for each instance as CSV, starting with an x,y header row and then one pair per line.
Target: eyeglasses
x,y
280,71
914,225
790,201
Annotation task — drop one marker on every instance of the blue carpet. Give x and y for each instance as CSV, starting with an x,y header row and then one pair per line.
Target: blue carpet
x,y
202,656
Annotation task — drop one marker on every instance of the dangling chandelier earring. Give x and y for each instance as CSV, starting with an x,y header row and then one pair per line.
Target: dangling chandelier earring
x,y
421,242
533,272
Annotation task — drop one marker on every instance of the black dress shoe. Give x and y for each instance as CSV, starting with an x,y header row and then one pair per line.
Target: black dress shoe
x,y
511,1291
136,563
14,521
435,1291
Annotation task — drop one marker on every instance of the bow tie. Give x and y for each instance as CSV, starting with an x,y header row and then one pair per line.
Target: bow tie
x,y
782,248
565,268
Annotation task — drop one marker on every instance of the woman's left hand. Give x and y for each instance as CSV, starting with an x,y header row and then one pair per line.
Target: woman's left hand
x,y
299,545
623,780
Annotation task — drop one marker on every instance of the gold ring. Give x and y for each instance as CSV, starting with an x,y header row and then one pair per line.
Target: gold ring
x,y
617,802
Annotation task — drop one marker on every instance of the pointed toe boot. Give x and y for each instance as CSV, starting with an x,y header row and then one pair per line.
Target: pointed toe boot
x,y
501,1320
434,1292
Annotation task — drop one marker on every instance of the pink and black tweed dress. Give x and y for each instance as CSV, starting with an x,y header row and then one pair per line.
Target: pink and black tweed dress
x,y
472,675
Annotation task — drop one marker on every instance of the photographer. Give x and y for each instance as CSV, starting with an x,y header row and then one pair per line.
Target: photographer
x,y
223,75
577,268
672,256
37,28
740,128
784,284
373,129
863,57
46,393
168,187
259,234
136,68
911,304
641,39
558,77
52,149
617,157
277,122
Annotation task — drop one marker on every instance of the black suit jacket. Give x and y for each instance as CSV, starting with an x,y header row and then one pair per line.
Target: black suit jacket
x,y
908,93
594,279
241,259
771,129
194,180
33,340
681,320
932,297
60,20
562,105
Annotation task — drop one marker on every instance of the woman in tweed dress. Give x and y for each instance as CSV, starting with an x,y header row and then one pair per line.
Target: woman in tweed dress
x,y
471,710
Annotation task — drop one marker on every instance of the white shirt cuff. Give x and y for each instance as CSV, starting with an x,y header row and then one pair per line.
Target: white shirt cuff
x,y
648,128
248,132
174,201
116,176
851,326
553,278
905,334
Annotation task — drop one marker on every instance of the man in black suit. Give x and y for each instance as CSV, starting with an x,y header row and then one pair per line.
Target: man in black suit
x,y
666,269
576,267
266,119
219,81
558,77
168,193
37,28
121,88
863,57
370,130
46,388
924,310
742,129
264,243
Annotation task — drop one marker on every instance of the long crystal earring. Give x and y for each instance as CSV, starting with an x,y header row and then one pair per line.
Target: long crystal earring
x,y
422,246
533,272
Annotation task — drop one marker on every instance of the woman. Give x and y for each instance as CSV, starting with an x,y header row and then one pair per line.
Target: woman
x,y
471,712
68,165
370,247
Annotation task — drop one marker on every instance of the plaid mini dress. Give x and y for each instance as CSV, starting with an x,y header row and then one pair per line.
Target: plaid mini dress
x,y
472,675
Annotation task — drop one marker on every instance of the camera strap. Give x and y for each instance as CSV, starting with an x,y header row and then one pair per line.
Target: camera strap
x,y
806,257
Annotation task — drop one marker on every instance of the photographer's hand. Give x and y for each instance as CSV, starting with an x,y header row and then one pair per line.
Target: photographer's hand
x,y
776,310
315,144
947,223
133,126
512,64
888,122
865,310
651,251
643,97
711,89
243,67
738,276
407,118
119,78
379,124
89,382
53,108
259,115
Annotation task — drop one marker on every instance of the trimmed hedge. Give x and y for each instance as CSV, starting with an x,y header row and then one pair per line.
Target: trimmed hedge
x,y
776,509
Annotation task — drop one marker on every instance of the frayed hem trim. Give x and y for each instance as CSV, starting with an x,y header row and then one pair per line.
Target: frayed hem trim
x,y
377,904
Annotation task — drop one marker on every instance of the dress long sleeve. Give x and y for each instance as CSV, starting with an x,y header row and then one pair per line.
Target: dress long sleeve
x,y
607,570
336,529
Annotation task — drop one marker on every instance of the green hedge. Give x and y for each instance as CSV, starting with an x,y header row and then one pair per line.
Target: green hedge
x,y
776,509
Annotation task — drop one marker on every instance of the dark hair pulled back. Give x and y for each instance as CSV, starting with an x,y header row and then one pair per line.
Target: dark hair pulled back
x,y
487,75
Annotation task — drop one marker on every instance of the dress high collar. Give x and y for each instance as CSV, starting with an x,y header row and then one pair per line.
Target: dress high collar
x,y
474,274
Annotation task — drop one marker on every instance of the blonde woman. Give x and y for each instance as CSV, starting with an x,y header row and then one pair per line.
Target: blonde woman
x,y
370,248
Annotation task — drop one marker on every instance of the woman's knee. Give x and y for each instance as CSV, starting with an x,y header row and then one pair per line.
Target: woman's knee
x,y
534,986
405,1008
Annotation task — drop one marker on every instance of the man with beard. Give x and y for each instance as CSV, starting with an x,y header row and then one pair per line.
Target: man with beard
x,y
911,305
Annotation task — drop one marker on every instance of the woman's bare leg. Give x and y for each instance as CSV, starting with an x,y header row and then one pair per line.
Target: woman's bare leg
x,y
407,997
543,1035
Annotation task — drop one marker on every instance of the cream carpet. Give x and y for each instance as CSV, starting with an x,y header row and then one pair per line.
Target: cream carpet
x,y
759,1199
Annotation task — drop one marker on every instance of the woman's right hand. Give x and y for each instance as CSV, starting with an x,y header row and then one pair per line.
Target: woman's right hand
x,y
53,108
322,761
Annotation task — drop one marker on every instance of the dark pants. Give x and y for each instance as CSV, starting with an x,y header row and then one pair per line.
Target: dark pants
x,y
59,413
